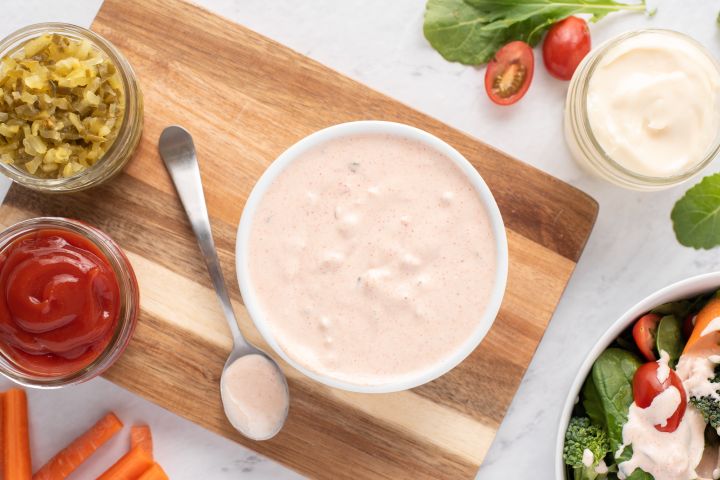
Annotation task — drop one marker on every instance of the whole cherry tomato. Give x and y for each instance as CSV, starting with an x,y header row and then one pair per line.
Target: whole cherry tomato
x,y
566,44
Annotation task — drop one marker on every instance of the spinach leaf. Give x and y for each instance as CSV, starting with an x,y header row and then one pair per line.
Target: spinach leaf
x,y
471,31
612,375
696,216
593,406
680,308
626,341
670,338
639,474
608,394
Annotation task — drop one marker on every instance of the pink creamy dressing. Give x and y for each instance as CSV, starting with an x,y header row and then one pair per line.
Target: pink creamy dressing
x,y
254,396
372,257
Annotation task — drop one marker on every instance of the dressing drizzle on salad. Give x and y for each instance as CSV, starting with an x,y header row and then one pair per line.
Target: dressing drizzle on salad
x,y
657,420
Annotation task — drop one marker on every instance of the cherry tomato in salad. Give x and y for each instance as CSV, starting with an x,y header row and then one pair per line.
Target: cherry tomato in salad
x,y
509,73
646,387
566,44
688,325
644,333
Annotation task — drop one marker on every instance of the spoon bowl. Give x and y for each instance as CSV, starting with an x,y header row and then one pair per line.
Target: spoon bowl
x,y
178,153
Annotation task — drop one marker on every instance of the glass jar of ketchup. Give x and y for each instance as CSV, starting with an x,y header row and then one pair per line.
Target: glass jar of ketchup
x,y
69,302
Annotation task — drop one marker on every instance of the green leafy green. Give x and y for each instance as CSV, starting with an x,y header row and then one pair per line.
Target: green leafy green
x,y
612,376
680,308
696,216
591,402
639,474
607,396
669,338
471,31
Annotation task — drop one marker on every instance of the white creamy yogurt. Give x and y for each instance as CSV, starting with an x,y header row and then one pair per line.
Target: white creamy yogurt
x,y
653,104
664,455
254,396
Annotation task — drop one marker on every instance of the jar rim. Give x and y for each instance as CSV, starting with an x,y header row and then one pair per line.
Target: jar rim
x,y
132,114
579,93
127,314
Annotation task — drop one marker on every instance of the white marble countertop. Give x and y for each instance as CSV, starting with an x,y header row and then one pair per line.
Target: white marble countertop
x,y
631,253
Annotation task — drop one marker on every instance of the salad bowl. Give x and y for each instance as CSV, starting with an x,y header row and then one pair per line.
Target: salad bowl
x,y
683,289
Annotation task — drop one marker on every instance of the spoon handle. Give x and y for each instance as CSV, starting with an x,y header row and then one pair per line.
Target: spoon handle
x,y
178,153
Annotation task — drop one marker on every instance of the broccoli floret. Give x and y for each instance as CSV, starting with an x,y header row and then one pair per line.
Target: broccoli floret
x,y
582,436
708,405
710,409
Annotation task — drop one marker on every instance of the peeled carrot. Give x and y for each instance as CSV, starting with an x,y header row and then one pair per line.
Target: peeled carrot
x,y
141,436
72,456
16,441
129,467
154,473
697,343
2,434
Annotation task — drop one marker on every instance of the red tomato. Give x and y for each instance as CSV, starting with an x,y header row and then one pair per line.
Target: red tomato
x,y
688,325
566,44
644,333
509,73
646,387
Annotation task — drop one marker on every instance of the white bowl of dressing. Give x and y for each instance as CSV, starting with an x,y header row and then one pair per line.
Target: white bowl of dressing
x,y
274,264
683,289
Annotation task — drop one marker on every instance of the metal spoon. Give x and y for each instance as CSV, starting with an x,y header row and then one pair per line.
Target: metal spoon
x,y
178,152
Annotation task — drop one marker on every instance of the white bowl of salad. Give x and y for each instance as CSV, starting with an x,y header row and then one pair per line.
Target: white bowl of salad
x,y
646,402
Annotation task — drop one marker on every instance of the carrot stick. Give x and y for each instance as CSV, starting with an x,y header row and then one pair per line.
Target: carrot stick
x,y
16,442
141,436
154,473
2,434
72,456
129,467
704,344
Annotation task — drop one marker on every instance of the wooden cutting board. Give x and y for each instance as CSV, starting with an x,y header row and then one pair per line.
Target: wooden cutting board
x,y
246,99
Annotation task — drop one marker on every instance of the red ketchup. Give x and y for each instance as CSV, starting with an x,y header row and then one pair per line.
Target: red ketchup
x,y
59,302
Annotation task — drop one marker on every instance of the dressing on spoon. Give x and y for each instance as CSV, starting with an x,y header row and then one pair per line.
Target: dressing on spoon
x,y
253,388
254,396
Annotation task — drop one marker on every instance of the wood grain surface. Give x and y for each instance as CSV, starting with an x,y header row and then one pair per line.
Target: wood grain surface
x,y
246,99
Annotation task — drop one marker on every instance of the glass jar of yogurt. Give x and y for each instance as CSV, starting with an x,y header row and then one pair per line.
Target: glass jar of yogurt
x,y
643,110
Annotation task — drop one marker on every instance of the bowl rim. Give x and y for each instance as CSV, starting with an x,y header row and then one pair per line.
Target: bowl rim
x,y
403,131
679,290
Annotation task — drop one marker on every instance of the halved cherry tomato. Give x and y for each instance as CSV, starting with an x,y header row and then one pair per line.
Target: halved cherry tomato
x,y
509,73
566,44
646,387
644,333
688,325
